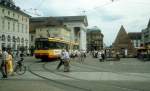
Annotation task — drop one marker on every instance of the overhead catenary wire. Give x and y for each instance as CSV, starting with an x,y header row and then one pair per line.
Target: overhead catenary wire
x,y
31,10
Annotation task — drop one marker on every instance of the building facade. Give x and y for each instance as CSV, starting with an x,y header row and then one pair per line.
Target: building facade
x,y
94,39
14,26
48,28
76,24
135,38
146,36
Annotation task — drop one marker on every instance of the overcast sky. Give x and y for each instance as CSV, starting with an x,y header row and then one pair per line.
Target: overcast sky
x,y
107,15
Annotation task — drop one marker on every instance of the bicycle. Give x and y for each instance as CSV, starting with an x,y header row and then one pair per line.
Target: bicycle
x,y
20,69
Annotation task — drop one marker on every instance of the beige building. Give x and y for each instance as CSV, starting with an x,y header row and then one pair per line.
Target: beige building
x,y
14,26
75,24
48,28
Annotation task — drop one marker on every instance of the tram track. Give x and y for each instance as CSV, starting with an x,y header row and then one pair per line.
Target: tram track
x,y
99,69
55,81
112,85
74,86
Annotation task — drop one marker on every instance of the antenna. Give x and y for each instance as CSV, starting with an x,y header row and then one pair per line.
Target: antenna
x,y
32,11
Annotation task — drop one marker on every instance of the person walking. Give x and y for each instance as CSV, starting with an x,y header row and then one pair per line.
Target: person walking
x,y
103,55
66,61
61,60
4,63
99,55
82,56
9,63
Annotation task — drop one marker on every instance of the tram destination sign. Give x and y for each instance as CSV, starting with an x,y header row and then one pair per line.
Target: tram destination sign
x,y
42,39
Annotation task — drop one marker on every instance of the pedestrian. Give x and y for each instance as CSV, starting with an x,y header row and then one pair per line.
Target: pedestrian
x,y
103,55
66,61
9,63
61,60
4,62
117,56
99,55
82,56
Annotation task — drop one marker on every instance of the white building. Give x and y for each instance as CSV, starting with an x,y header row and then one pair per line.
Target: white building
x,y
77,25
14,26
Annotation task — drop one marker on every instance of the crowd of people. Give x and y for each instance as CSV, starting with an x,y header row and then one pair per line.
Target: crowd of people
x,y
7,56
7,61
65,58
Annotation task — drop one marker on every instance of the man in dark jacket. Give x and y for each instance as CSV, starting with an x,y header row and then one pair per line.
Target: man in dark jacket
x,y
61,60
4,62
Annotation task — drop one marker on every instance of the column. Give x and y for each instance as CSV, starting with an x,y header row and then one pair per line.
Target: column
x,y
72,34
82,40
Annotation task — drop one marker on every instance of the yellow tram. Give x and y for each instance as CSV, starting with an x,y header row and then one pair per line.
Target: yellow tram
x,y
50,48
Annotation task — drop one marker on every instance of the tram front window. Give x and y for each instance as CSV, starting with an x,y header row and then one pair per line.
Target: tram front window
x,y
44,45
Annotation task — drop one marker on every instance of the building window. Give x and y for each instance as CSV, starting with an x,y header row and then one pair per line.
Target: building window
x,y
3,24
14,39
3,10
3,45
18,40
8,38
3,38
13,14
26,41
13,26
8,25
22,40
8,12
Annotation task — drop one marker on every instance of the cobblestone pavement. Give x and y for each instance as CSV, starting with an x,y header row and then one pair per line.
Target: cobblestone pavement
x,y
128,74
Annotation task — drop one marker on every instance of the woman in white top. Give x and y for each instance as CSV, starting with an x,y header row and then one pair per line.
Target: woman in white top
x,y
66,61
99,56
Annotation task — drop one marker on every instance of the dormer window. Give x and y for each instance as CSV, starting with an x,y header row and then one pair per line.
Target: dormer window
x,y
8,12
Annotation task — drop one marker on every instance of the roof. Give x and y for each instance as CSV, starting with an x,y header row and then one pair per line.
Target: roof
x,y
135,35
62,18
45,23
94,29
10,5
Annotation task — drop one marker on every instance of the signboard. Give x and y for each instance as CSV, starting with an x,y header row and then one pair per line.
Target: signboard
x,y
42,39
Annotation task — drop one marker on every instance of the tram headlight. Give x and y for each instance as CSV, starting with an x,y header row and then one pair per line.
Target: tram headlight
x,y
57,52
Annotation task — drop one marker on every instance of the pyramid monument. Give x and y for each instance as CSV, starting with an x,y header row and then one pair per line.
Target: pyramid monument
x,y
123,43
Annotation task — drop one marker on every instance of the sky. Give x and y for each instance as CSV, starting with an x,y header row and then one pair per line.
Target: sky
x,y
108,16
